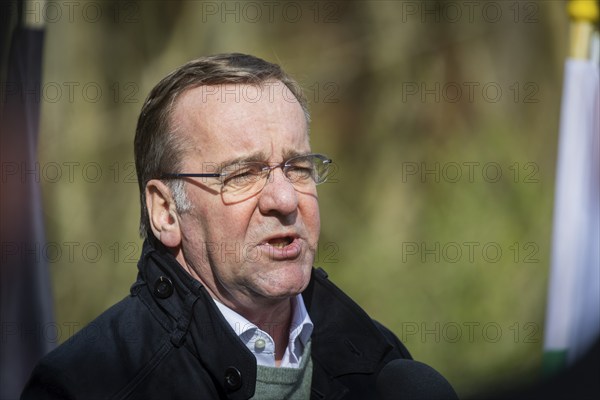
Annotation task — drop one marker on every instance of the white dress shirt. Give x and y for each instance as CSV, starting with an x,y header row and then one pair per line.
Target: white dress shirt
x,y
261,344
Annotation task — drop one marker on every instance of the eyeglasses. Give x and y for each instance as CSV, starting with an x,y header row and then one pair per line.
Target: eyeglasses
x,y
243,180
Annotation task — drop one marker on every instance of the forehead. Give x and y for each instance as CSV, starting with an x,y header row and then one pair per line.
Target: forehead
x,y
236,120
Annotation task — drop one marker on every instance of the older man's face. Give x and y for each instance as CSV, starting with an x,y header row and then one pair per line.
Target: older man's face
x,y
261,248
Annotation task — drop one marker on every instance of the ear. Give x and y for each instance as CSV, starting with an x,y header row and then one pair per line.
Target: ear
x,y
162,213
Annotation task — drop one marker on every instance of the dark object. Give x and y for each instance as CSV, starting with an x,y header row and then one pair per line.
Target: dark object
x,y
181,347
26,305
411,380
163,288
579,381
233,378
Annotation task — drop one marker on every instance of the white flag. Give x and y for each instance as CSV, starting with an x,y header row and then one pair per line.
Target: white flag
x,y
573,313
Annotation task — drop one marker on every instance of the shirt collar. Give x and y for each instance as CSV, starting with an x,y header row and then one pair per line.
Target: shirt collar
x,y
301,327
260,342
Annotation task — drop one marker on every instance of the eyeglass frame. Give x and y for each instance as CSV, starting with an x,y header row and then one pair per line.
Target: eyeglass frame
x,y
325,159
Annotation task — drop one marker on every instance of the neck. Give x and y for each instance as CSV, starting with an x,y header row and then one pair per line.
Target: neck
x,y
273,316
274,319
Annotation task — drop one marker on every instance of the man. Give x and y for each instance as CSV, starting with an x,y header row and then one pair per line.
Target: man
x,y
226,304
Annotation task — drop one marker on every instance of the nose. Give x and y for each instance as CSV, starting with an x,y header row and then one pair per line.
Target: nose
x,y
278,196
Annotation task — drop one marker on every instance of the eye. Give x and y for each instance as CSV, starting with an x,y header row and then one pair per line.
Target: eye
x,y
242,175
300,170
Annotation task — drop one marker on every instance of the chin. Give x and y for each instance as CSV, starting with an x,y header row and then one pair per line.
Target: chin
x,y
285,285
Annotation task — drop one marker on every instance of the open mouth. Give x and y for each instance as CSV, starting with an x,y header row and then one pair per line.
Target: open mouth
x,y
283,247
280,242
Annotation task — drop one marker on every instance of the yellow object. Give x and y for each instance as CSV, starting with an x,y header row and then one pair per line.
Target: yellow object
x,y
583,10
584,14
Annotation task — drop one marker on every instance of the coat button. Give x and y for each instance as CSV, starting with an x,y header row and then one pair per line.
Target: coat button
x,y
163,287
233,378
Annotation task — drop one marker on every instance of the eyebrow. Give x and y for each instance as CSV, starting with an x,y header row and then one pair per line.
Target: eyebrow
x,y
261,156
254,157
290,153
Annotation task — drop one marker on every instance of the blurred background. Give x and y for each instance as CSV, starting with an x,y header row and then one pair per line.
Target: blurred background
x,y
442,119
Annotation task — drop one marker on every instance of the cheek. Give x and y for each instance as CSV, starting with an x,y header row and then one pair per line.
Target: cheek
x,y
192,228
226,223
197,222
312,219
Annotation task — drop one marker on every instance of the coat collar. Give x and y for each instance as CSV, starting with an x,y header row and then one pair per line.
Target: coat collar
x,y
349,342
196,323
344,339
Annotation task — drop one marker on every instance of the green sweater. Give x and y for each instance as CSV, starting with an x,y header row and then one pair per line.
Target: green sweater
x,y
285,383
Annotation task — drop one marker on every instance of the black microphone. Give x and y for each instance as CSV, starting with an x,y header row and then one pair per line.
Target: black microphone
x,y
412,380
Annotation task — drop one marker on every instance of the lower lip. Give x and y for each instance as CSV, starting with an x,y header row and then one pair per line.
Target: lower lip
x,y
289,252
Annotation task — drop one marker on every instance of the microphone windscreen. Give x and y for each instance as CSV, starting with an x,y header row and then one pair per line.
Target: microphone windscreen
x,y
412,380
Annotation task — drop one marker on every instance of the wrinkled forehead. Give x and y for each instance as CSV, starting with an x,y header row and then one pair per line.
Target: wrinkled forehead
x,y
238,119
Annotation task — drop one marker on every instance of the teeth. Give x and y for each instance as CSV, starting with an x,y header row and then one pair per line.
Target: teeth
x,y
280,242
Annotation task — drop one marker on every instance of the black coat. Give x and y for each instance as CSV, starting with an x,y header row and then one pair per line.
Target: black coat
x,y
167,340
